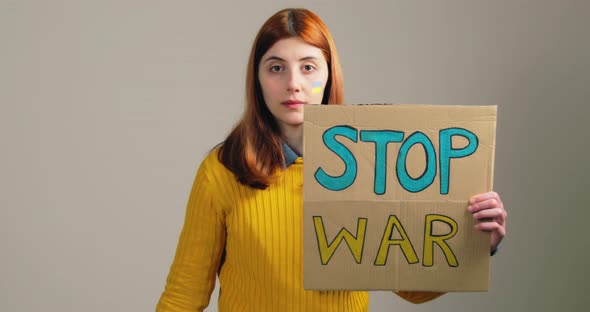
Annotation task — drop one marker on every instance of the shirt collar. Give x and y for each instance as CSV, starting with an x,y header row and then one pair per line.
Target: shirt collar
x,y
290,154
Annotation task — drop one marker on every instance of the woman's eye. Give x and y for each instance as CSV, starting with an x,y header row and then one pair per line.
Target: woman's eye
x,y
276,68
308,67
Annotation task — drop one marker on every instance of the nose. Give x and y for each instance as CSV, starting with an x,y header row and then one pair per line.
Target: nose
x,y
294,82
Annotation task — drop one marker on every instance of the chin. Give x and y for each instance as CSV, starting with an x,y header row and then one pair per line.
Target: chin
x,y
293,118
293,122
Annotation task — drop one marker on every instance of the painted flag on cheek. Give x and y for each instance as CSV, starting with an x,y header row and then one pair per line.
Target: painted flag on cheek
x,y
316,87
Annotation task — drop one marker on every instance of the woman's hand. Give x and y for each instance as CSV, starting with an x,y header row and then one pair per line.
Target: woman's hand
x,y
489,210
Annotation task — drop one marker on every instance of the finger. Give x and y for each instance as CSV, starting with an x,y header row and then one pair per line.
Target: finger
x,y
484,197
486,204
492,213
491,227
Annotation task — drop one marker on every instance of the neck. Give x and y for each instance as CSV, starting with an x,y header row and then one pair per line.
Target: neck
x,y
293,136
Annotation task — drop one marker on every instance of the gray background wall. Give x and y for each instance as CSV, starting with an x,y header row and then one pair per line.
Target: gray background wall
x,y
107,108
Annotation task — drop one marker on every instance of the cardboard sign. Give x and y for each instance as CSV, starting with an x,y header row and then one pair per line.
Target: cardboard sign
x,y
386,190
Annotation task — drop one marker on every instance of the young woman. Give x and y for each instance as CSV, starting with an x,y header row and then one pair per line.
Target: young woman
x,y
244,214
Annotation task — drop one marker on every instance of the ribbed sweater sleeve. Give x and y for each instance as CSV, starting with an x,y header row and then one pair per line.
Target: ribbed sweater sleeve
x,y
192,274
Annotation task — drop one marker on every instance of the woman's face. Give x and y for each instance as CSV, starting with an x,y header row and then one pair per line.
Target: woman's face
x,y
292,74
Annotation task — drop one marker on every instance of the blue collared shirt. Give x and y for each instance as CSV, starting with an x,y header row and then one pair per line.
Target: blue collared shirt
x,y
290,154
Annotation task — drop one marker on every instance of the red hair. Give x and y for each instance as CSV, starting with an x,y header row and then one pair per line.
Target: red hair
x,y
253,149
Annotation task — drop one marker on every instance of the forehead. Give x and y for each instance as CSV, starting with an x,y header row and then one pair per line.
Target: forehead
x,y
293,49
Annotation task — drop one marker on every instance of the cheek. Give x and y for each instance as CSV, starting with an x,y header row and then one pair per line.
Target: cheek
x,y
317,93
317,88
269,87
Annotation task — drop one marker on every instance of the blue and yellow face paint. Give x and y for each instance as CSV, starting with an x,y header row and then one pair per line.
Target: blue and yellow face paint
x,y
316,87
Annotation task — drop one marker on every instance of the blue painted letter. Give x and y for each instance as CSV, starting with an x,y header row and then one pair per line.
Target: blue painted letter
x,y
407,182
447,152
338,183
381,139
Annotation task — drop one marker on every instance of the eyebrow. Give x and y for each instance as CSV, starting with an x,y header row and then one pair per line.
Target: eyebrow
x,y
272,57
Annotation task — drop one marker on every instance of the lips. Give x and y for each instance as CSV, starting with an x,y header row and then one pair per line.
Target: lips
x,y
292,102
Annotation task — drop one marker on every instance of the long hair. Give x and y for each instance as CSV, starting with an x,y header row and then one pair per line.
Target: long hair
x,y
253,149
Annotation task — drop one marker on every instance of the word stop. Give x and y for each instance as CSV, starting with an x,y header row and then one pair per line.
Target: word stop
x,y
381,138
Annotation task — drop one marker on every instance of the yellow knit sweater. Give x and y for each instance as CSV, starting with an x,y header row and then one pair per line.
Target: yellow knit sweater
x,y
253,240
